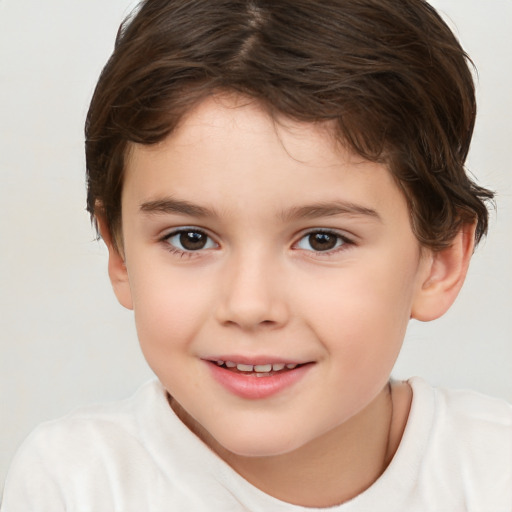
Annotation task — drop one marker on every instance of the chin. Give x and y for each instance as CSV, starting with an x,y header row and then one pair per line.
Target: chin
x,y
259,444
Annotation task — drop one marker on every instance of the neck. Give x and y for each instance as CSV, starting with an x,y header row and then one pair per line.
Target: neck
x,y
331,469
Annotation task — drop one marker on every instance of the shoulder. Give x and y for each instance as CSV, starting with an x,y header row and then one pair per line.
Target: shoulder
x,y
464,411
93,423
87,451
479,425
467,441
463,414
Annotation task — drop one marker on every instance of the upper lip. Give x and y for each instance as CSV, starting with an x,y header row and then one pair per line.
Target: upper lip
x,y
255,360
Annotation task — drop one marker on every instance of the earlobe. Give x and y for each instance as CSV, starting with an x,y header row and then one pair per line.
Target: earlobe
x,y
117,270
444,276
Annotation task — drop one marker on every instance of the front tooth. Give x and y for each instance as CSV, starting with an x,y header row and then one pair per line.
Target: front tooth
x,y
245,367
278,366
220,363
291,366
230,364
263,368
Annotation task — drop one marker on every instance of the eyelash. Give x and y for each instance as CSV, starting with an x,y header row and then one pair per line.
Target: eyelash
x,y
185,253
342,242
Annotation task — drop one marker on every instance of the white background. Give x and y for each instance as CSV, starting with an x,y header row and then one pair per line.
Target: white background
x,y
65,341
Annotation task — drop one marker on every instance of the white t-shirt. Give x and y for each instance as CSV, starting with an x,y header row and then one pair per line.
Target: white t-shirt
x,y
136,455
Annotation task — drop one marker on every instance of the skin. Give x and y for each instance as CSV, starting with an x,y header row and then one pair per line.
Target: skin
x,y
259,288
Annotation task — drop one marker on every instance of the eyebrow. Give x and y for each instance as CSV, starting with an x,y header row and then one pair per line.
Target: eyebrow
x,y
328,209
170,205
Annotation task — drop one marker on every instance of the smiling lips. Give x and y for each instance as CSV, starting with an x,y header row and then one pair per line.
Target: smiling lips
x,y
239,378
258,370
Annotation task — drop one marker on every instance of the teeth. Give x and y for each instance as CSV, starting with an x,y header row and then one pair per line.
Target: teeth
x,y
245,367
257,368
263,368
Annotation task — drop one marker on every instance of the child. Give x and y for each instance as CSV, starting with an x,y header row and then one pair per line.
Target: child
x,y
281,187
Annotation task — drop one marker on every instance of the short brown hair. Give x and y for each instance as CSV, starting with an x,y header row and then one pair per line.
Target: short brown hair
x,y
389,73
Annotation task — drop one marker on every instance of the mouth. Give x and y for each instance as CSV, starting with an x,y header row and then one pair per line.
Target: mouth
x,y
257,379
257,370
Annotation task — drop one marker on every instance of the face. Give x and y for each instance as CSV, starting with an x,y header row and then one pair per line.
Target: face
x,y
272,274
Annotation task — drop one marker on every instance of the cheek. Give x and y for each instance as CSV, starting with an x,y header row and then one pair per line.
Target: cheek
x,y
362,311
168,318
168,310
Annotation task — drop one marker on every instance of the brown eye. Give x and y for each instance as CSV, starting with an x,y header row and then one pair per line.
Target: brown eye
x,y
190,240
321,241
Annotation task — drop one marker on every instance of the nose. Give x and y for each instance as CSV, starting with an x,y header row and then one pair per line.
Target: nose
x,y
253,293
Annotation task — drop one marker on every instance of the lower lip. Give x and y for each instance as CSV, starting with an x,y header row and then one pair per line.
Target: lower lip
x,y
252,387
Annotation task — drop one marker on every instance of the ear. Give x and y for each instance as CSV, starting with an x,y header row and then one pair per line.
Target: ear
x,y
117,270
444,276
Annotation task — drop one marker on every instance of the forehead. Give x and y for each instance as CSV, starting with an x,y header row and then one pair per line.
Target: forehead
x,y
235,120
229,151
